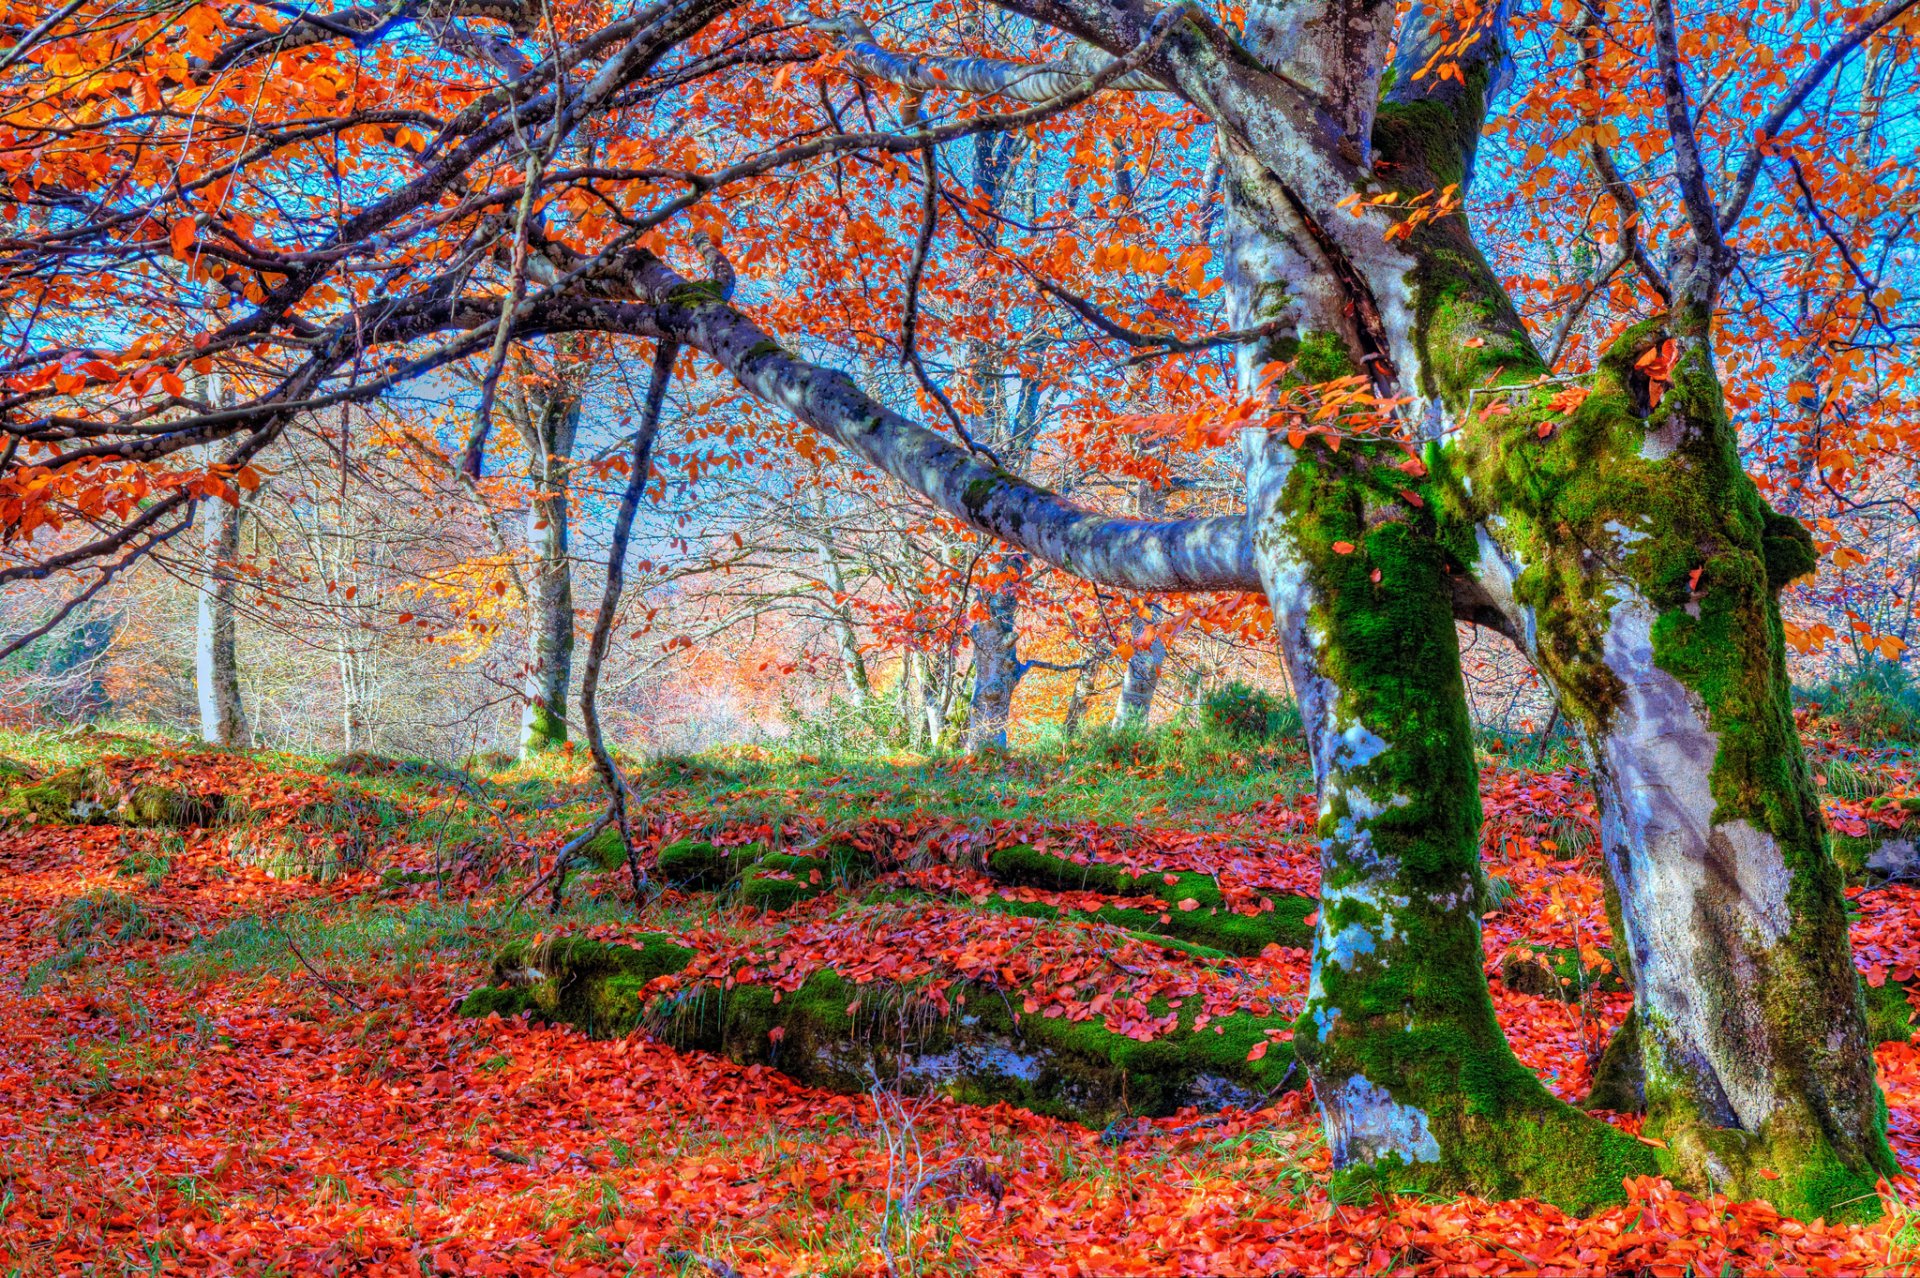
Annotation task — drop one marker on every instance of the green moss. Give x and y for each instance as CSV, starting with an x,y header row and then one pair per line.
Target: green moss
x,y
1620,1079
764,347
1788,549
604,851
490,999
594,986
66,797
695,293
543,730
697,864
1889,1012
1210,922
780,880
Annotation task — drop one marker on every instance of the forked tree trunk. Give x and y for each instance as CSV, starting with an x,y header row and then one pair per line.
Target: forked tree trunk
x,y
215,661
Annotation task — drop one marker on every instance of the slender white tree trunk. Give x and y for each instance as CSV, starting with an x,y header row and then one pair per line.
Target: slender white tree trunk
x,y
216,663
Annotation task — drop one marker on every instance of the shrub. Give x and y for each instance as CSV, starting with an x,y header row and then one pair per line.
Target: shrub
x,y
1243,713
1876,703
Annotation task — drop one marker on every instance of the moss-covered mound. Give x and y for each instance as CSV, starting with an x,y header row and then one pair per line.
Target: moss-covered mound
x,y
967,1041
699,865
92,795
1197,911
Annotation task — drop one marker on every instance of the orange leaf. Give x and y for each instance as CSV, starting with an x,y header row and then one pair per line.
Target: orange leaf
x,y
1343,548
181,237
1258,1050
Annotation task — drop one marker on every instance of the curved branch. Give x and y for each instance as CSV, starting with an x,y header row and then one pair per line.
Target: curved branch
x,y
1210,553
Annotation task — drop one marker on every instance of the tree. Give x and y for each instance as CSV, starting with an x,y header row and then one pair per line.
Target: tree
x,y
1410,455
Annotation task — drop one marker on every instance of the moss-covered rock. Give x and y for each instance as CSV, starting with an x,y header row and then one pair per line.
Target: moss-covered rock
x,y
92,795
591,985
1196,910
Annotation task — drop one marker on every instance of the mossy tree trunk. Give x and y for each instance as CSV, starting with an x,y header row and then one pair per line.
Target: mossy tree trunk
x,y
1415,1079
1619,541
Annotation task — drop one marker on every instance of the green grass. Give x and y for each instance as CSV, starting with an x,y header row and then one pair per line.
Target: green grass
x,y
1110,777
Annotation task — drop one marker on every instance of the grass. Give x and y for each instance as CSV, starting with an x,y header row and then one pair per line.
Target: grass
x,y
1111,777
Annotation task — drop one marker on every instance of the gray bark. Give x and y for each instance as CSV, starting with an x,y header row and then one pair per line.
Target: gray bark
x,y
997,670
548,420
215,661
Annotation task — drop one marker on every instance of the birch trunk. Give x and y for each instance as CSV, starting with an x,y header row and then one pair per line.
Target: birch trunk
x,y
216,664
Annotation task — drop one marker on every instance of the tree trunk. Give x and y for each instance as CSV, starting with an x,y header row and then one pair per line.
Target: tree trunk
x,y
1417,1085
852,665
1142,679
216,664
1654,615
1077,700
550,424
997,668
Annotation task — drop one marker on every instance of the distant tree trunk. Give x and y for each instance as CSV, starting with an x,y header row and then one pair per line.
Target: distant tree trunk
x,y
216,663
1077,700
1142,680
997,668
852,665
912,699
936,678
548,422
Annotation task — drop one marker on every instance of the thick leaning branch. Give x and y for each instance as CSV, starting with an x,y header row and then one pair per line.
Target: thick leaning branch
x,y
1175,555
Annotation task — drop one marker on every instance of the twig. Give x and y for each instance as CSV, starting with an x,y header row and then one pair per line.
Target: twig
x,y
676,1256
333,987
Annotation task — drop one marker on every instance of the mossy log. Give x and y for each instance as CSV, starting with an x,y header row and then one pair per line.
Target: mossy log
x,y
966,1041
1210,921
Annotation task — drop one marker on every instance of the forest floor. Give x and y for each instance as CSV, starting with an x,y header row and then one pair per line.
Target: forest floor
x,y
236,1047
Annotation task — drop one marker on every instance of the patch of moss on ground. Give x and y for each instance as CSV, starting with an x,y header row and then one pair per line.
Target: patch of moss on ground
x,y
1209,921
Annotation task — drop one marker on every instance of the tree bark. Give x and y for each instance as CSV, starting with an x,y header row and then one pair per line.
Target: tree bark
x,y
216,663
997,668
1142,679
852,665
548,423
